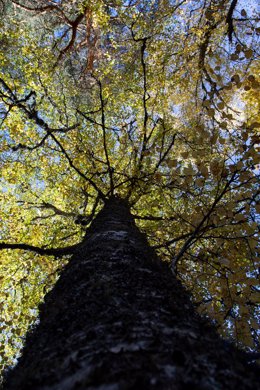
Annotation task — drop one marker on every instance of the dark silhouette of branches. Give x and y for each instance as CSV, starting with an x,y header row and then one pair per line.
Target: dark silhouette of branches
x,y
57,252
229,19
33,115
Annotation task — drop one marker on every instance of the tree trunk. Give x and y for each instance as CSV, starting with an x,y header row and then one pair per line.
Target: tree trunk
x,y
118,319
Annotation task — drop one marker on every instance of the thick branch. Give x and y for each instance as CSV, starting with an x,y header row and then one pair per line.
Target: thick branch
x,y
74,27
229,19
205,43
42,9
57,252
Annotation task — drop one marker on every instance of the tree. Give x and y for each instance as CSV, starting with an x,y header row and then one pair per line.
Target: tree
x,y
151,102
112,320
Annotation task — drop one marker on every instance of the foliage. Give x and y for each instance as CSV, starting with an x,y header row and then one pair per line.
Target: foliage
x,y
153,101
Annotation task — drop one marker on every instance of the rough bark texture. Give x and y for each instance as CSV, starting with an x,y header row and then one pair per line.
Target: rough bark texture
x,y
117,319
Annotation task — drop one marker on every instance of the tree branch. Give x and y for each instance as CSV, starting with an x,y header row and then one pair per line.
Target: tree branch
x,y
229,19
57,252
33,115
42,9
110,170
71,164
74,26
197,230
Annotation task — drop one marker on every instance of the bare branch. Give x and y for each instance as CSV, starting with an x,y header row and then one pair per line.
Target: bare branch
x,y
42,9
33,115
90,181
197,230
102,103
74,26
229,19
57,252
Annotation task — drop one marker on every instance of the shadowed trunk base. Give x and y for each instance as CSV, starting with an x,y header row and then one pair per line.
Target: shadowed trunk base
x,y
118,319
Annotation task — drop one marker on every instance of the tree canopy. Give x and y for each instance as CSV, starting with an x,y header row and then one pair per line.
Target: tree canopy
x,y
156,102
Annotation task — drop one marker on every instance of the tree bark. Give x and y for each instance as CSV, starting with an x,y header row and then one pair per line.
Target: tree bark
x,y
118,319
